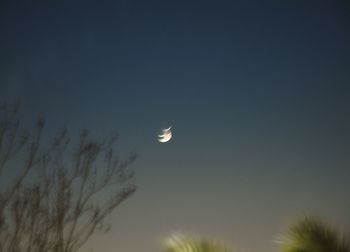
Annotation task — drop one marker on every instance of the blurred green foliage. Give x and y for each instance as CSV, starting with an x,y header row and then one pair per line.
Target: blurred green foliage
x,y
313,235
182,243
310,234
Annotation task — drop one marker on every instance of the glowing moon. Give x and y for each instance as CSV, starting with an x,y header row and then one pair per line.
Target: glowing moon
x,y
165,136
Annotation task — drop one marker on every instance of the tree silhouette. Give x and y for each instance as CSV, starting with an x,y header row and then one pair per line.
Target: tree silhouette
x,y
54,196
313,235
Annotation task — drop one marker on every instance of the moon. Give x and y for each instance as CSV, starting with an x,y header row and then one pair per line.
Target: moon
x,y
165,135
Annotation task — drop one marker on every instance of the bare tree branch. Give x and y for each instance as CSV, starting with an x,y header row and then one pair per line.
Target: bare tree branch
x,y
59,197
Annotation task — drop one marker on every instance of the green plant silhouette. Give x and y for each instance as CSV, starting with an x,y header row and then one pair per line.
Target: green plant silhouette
x,y
313,235
182,243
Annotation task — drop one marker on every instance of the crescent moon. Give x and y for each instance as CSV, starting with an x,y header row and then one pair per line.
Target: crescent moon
x,y
165,136
166,129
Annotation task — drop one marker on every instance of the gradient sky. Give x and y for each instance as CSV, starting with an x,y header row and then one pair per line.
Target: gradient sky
x,y
258,93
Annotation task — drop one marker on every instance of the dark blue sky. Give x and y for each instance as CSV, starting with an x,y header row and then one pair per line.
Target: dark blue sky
x,y
257,92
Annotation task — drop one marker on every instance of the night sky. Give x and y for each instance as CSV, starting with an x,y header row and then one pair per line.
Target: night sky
x,y
257,92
